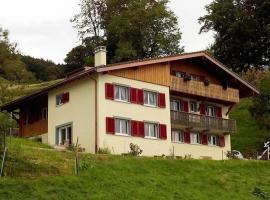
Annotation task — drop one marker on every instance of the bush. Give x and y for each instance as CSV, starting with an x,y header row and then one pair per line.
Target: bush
x,y
135,150
105,150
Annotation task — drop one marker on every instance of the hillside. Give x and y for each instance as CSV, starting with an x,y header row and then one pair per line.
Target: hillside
x,y
124,177
249,137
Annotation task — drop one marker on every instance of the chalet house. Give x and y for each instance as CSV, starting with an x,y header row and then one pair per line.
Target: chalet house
x,y
177,105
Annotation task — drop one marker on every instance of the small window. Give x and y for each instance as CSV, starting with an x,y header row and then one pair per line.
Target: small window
x,y
193,107
121,93
177,136
150,98
64,135
122,126
213,140
195,138
175,105
44,113
180,74
194,77
151,130
210,111
62,98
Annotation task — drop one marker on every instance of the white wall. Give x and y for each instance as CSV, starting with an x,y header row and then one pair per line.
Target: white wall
x,y
80,111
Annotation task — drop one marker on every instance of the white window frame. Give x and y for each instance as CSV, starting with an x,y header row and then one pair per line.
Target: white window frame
x,y
211,139
147,130
59,99
59,134
146,99
180,74
190,107
180,136
213,109
198,138
120,88
126,132
173,102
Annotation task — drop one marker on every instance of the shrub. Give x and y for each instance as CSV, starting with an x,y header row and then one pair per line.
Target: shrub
x,y
105,150
135,150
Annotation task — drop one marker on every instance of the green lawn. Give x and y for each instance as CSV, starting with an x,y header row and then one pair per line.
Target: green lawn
x,y
249,137
124,177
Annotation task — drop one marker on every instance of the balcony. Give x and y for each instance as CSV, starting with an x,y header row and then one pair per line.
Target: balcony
x,y
198,88
182,120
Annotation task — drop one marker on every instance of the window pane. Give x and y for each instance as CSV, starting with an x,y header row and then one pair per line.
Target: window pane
x,y
145,97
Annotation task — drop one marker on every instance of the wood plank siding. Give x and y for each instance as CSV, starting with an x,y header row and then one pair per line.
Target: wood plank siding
x,y
36,128
157,73
198,88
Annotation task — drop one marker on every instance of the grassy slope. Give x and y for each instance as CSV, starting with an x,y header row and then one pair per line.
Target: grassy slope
x,y
249,136
118,177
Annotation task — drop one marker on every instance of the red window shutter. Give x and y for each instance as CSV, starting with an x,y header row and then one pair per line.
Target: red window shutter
x,y
141,129
140,96
163,131
134,128
185,106
202,109
65,97
133,95
109,91
187,137
161,100
219,111
221,141
110,125
204,139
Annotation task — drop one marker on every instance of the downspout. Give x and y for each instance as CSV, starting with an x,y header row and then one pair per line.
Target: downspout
x,y
96,119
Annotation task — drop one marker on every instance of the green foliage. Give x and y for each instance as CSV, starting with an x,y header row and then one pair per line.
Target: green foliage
x,y
130,29
260,193
260,109
44,70
242,32
11,66
117,177
135,150
105,150
250,136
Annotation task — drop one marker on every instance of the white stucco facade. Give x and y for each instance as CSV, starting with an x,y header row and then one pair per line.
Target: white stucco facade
x,y
80,113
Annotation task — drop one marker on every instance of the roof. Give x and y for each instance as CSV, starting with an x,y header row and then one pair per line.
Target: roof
x,y
130,64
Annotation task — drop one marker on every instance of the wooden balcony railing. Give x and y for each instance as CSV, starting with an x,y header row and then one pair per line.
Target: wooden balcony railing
x,y
202,122
198,88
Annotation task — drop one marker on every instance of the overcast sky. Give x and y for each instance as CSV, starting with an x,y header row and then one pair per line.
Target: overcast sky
x,y
42,28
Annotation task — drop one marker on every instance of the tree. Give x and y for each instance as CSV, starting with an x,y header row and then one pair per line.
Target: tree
x,y
11,66
130,29
82,55
44,70
242,32
260,109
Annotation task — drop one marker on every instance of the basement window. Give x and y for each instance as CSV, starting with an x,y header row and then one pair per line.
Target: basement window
x,y
64,135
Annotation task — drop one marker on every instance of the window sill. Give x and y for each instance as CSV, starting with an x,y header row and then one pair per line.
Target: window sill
x,y
151,138
121,134
151,106
176,142
122,101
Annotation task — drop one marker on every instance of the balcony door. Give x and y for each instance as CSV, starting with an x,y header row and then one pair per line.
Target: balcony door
x,y
64,135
